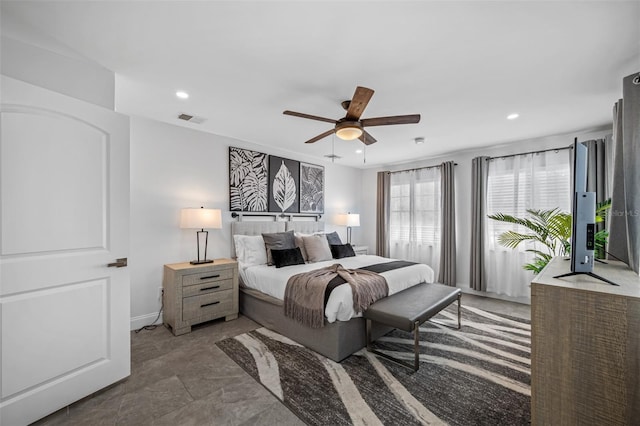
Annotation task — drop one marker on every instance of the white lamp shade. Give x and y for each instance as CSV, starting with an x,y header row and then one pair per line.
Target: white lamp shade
x,y
349,219
201,218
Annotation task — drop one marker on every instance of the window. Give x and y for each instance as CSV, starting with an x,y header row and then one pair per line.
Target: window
x,y
414,222
515,184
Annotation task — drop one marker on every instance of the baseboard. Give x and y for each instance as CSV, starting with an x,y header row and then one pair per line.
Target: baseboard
x,y
142,320
523,300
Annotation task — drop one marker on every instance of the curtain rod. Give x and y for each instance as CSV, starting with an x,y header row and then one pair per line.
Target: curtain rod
x,y
419,168
240,215
531,152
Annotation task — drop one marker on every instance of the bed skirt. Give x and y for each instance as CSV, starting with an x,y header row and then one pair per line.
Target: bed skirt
x,y
335,340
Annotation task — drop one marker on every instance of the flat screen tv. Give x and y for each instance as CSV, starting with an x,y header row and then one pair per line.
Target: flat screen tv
x,y
583,216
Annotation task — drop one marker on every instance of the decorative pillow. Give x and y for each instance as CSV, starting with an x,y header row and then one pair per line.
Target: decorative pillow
x,y
317,248
333,238
278,241
250,250
342,250
300,244
287,257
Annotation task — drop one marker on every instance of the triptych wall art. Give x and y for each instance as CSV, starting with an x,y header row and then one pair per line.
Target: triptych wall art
x,y
265,183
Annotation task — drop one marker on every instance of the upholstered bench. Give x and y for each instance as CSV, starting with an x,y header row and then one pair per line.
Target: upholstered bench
x,y
408,309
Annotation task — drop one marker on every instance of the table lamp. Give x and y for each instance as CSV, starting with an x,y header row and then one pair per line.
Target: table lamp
x,y
349,220
194,218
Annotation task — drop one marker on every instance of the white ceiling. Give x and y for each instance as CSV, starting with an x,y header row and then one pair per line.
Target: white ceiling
x,y
464,66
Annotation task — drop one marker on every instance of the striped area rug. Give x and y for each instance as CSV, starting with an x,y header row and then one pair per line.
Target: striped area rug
x,y
479,375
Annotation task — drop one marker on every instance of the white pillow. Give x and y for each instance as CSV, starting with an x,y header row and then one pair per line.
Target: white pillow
x,y
317,248
250,250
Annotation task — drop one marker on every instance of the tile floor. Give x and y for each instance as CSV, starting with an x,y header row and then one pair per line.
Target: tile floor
x,y
187,380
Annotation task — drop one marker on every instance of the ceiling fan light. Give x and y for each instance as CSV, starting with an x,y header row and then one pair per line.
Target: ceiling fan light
x,y
348,131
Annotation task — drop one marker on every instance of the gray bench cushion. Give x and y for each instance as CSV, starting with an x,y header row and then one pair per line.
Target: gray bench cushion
x,y
418,303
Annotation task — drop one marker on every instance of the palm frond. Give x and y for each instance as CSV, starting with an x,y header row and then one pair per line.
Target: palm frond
x,y
537,265
512,239
550,228
527,223
541,254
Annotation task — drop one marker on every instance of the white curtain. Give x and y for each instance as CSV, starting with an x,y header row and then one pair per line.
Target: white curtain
x,y
537,181
415,216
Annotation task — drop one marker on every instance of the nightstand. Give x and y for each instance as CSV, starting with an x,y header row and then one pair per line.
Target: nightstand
x,y
197,293
361,250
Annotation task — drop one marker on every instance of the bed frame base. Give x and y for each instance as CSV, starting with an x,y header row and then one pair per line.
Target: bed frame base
x,y
335,341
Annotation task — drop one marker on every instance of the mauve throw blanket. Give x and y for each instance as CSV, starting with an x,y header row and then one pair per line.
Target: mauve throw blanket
x,y
304,294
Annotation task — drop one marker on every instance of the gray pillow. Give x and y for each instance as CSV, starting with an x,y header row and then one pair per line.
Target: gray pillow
x,y
317,248
333,238
278,241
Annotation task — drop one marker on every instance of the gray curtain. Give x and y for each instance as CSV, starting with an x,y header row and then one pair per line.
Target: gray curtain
x,y
597,169
382,214
624,238
447,274
478,279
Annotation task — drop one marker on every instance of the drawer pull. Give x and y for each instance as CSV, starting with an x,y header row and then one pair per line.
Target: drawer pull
x,y
210,276
210,288
209,304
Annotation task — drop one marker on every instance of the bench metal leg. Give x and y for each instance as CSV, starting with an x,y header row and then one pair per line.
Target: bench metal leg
x,y
416,340
416,345
416,348
459,317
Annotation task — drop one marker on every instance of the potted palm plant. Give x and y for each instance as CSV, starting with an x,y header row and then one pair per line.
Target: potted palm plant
x,y
550,231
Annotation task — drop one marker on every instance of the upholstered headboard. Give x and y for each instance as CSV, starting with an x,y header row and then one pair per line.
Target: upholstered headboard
x,y
260,227
305,227
253,228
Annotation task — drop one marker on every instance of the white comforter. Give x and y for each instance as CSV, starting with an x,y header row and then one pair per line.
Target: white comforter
x,y
273,281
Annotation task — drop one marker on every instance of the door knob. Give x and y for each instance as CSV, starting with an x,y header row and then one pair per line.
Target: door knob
x,y
119,263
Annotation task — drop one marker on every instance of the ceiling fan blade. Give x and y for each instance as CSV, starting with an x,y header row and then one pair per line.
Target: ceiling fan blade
x,y
361,98
310,117
386,121
366,138
320,136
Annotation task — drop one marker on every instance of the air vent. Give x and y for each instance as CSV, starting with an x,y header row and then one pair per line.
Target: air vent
x,y
192,118
333,156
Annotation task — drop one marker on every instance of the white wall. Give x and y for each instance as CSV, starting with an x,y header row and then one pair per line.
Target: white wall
x,y
173,167
30,56
462,188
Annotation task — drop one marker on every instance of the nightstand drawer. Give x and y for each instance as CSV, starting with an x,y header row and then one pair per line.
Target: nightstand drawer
x,y
208,305
207,277
207,287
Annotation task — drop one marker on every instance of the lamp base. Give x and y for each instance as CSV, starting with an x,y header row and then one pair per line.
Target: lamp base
x,y
200,262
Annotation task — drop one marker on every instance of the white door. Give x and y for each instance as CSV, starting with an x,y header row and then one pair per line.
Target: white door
x,y
64,215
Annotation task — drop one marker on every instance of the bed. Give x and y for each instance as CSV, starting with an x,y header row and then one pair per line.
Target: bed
x,y
262,293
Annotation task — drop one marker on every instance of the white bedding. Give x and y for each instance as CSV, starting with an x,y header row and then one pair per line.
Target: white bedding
x,y
273,281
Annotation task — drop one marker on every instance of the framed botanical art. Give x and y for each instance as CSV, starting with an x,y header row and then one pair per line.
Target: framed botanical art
x,y
284,177
311,188
248,180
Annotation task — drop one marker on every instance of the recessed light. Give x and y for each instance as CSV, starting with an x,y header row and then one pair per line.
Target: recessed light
x,y
358,151
182,95
513,116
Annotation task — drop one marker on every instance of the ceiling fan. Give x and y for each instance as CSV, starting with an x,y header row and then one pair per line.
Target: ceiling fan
x,y
351,126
